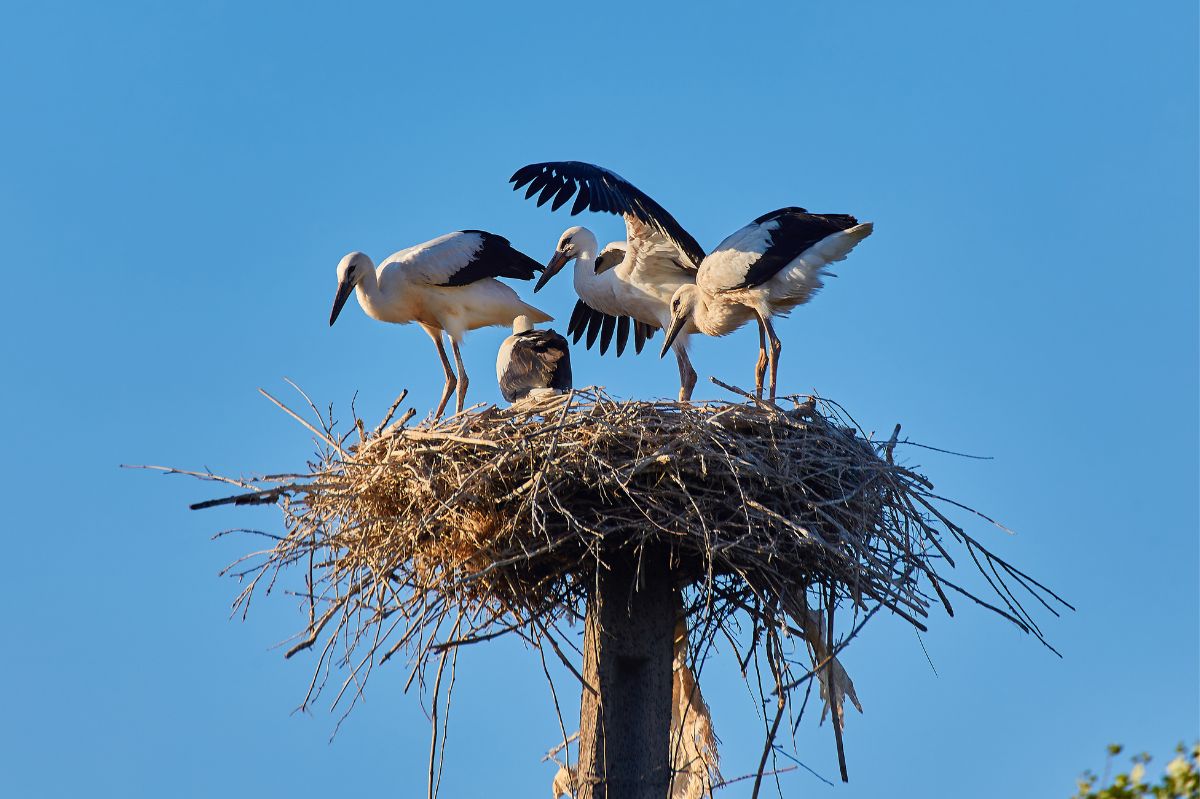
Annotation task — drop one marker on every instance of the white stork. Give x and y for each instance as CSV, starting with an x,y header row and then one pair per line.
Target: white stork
x,y
446,284
597,313
763,270
532,361
766,268
659,257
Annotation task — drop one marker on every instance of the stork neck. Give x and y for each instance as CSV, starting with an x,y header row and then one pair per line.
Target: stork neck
x,y
586,254
368,291
585,265
703,316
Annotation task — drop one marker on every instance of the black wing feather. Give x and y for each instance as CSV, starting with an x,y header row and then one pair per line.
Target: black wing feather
x,y
593,329
606,332
603,191
495,258
579,318
586,319
536,185
538,359
563,196
622,334
583,200
553,187
797,231
641,334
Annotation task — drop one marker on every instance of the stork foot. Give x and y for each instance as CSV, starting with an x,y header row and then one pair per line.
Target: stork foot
x,y
463,381
451,382
461,398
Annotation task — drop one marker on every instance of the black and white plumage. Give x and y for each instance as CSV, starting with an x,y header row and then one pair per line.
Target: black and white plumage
x,y
493,257
604,191
597,314
532,361
761,250
634,282
764,270
657,256
447,284
598,325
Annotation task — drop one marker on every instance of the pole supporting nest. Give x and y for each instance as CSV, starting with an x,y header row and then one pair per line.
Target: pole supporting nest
x,y
624,725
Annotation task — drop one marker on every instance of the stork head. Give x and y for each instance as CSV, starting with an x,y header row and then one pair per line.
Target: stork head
x,y
575,242
350,272
683,305
521,324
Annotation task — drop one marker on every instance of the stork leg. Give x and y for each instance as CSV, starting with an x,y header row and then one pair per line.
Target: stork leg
x,y
687,375
760,368
776,347
462,377
451,380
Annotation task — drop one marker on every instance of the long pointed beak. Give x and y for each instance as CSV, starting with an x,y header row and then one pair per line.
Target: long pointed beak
x,y
672,333
556,264
339,300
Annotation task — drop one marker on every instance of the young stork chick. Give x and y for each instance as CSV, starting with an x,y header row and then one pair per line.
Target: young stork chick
x,y
447,284
533,362
764,270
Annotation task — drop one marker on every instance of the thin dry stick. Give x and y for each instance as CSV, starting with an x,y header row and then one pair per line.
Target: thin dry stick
x,y
433,737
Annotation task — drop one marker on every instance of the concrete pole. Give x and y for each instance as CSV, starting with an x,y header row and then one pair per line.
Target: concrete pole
x,y
625,725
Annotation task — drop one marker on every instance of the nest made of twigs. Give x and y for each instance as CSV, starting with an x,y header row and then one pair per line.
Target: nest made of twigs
x,y
423,538
495,520
512,509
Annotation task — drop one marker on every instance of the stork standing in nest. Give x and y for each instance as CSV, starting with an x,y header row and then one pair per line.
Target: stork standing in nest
x,y
637,279
598,314
761,271
532,362
446,285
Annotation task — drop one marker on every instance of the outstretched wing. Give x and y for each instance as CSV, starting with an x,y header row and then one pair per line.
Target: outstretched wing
x,y
604,191
465,256
536,359
757,252
654,258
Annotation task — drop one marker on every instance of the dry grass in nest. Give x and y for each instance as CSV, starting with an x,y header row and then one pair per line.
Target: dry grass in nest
x,y
423,538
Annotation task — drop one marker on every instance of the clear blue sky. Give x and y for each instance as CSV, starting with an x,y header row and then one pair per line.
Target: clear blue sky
x,y
178,182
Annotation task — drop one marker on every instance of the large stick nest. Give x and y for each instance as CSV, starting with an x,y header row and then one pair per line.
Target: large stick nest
x,y
422,538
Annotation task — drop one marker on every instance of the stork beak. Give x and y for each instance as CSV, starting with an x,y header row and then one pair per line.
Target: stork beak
x,y
672,333
339,300
556,264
